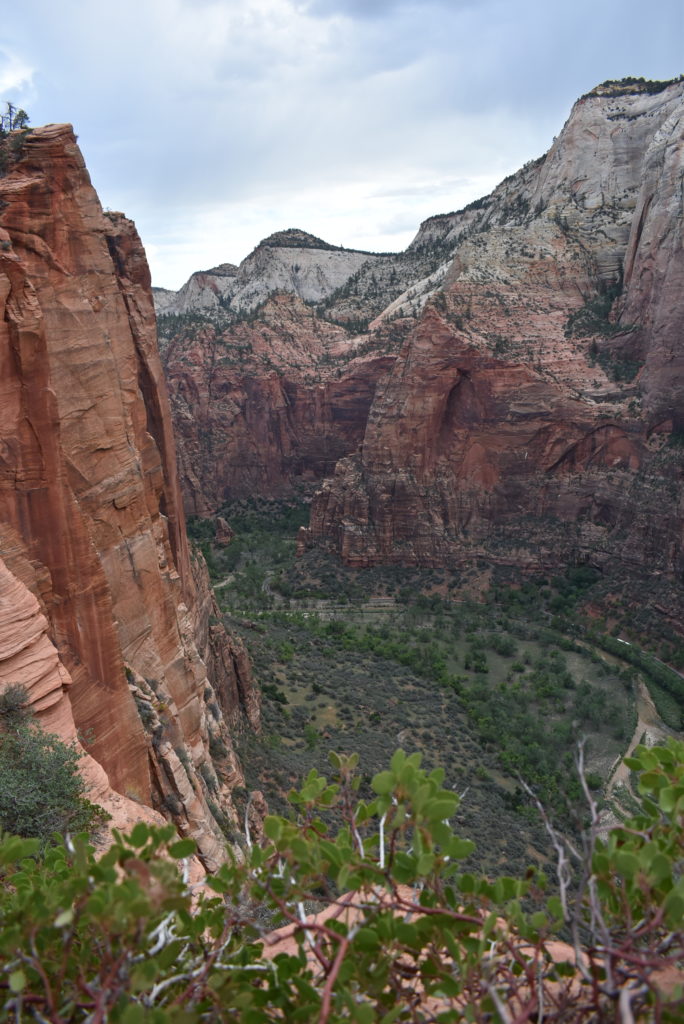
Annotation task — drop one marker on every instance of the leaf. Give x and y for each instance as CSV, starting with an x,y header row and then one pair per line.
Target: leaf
x,y
364,1013
17,980
459,849
139,835
183,848
650,781
65,918
555,907
408,934
169,954
659,869
367,939
426,862
13,849
667,798
601,863
383,783
217,884
626,863
674,908
441,808
273,827
538,920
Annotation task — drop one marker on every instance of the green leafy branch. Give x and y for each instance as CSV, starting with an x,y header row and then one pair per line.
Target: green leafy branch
x,y
376,921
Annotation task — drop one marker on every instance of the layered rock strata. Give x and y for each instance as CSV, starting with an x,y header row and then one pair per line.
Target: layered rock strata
x,y
91,518
262,408
533,415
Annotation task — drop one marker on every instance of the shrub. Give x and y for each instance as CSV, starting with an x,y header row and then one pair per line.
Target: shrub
x,y
217,748
124,939
41,791
210,780
14,707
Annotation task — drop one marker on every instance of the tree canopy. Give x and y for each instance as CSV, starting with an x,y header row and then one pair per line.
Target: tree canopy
x,y
14,118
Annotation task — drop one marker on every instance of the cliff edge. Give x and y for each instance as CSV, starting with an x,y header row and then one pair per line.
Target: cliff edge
x,y
92,535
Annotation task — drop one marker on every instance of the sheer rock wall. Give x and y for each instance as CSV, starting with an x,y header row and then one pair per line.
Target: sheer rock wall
x,y
532,416
91,520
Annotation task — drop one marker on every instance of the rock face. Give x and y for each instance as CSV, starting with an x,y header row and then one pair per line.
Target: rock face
x,y
270,365
28,657
534,412
262,407
91,521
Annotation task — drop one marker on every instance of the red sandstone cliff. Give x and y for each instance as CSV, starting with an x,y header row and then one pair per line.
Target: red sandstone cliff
x,y
260,407
91,521
527,418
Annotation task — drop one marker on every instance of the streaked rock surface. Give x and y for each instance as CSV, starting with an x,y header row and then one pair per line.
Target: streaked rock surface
x,y
91,521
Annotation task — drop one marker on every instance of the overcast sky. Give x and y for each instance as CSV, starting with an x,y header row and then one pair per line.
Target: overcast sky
x,y
213,123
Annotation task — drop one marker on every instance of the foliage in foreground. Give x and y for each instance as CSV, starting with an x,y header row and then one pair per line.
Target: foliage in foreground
x,y
124,939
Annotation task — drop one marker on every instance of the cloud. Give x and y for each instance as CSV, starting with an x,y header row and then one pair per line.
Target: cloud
x,y
16,76
239,117
369,9
353,8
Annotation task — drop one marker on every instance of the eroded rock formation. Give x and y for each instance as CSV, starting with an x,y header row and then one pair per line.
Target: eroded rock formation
x,y
533,416
262,407
508,389
91,521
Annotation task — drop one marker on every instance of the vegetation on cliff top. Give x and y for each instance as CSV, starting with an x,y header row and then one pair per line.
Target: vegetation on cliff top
x,y
629,86
13,131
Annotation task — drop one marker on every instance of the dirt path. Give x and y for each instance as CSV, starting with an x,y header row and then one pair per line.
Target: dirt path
x,y
649,726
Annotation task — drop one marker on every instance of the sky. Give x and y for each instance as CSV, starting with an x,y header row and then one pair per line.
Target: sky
x,y
213,123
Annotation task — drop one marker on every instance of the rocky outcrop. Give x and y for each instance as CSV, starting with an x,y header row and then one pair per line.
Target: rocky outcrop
x,y
528,417
91,518
206,292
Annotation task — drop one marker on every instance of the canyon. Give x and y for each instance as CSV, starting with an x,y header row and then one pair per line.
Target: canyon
x,y
506,392
107,619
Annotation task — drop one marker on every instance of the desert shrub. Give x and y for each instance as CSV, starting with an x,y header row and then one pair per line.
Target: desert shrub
x,y
210,780
41,791
217,748
310,736
146,712
14,707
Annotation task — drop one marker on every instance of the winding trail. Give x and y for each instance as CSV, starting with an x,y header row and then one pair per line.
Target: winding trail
x,y
649,725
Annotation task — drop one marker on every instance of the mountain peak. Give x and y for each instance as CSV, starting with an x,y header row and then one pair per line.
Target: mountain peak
x,y
295,238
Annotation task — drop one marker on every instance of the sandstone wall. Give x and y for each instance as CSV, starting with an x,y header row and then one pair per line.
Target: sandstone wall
x,y
260,408
90,511
508,428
